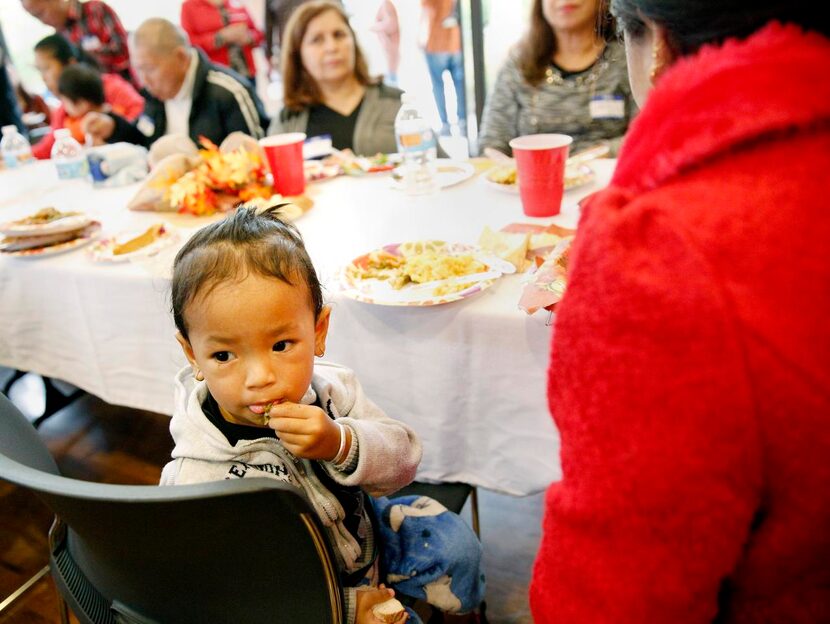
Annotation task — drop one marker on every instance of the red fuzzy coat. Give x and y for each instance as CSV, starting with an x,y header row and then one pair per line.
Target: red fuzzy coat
x,y
690,372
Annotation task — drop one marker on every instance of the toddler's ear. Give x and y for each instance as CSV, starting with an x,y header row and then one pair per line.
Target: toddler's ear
x,y
187,349
321,330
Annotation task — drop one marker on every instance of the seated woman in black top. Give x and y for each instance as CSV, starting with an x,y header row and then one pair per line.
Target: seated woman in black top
x,y
327,87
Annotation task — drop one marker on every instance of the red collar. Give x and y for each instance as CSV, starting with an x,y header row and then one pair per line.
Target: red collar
x,y
724,97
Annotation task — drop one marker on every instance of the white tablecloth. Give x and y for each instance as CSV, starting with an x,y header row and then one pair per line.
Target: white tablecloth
x,y
468,376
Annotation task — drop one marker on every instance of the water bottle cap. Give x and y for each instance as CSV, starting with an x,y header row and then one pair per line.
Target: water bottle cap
x,y
9,129
62,133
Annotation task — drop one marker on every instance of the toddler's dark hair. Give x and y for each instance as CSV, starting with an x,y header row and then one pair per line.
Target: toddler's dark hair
x,y
244,242
79,82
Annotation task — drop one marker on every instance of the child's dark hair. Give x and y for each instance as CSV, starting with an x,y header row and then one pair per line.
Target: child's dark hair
x,y
79,82
244,242
59,47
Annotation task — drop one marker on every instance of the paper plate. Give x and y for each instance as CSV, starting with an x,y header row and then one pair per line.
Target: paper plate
x,y
102,249
574,178
65,224
380,292
447,173
87,235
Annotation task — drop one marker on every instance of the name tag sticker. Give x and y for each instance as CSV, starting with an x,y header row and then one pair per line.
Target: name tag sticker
x,y
90,43
607,107
145,126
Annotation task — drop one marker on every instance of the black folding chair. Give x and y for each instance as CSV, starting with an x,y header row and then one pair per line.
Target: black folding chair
x,y
249,550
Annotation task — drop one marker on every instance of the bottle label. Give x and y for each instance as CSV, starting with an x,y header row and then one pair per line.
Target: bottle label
x,y
13,159
71,169
408,141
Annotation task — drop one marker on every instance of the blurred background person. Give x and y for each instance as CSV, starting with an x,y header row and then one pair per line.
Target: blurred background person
x,y
277,14
327,89
224,30
33,105
53,55
566,75
388,30
9,109
441,35
184,93
92,26
692,403
81,91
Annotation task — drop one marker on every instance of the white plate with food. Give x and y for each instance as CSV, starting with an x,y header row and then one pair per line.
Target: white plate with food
x,y
45,221
447,173
133,244
421,273
84,236
316,171
503,177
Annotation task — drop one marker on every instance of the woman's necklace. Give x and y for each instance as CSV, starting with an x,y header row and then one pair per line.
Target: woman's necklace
x,y
553,75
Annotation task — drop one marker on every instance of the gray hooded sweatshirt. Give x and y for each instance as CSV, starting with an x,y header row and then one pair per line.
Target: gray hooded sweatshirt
x,y
383,458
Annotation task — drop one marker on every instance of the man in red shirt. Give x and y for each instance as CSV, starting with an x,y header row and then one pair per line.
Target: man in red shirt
x,y
92,26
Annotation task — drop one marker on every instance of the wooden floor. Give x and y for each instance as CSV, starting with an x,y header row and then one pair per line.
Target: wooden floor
x,y
95,441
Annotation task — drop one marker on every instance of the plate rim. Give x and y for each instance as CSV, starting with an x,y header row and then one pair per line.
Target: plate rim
x,y
52,250
95,254
514,188
53,227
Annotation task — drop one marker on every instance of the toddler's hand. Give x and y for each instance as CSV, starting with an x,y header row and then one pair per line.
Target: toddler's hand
x,y
305,430
368,598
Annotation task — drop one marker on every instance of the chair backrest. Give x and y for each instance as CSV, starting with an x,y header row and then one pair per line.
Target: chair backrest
x,y
20,441
247,550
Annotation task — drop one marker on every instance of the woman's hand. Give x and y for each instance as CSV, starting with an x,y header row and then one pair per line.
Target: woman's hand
x,y
368,598
306,430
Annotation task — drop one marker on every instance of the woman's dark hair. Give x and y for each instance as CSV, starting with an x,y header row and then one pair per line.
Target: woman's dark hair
x,y
58,47
244,242
81,82
299,88
692,23
538,45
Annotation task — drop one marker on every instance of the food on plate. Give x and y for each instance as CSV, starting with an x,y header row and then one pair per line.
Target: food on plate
x,y
389,610
316,170
574,176
44,216
361,165
34,242
503,175
148,237
417,263
506,245
19,243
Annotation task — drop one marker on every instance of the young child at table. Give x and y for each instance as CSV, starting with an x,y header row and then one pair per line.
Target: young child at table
x,y
249,311
81,91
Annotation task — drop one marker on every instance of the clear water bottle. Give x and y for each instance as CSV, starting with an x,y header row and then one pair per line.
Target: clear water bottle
x,y
416,144
68,156
15,148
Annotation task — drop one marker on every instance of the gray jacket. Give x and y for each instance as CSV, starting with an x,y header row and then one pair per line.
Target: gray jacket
x,y
375,128
557,104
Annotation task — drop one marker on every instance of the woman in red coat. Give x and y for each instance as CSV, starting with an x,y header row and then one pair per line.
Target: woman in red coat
x,y
690,366
225,31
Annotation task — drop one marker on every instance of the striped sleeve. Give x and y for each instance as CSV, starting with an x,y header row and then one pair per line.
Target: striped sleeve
x,y
244,101
501,113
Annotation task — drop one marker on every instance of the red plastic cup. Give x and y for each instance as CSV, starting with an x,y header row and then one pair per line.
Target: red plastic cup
x,y
285,157
540,168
